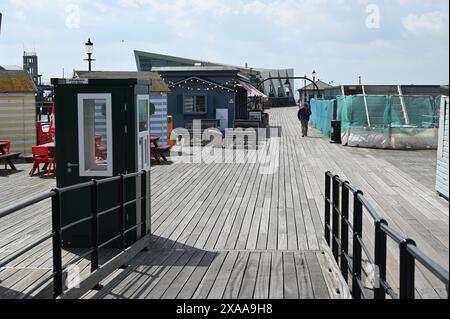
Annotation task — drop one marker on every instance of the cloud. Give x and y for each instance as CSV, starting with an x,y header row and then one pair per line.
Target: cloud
x,y
328,35
431,22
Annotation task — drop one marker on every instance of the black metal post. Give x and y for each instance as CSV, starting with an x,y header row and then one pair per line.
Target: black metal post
x,y
144,204
407,271
57,243
90,61
336,213
380,258
327,208
122,213
314,87
94,226
357,249
344,230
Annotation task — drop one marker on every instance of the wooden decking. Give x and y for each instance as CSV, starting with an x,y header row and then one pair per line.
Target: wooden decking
x,y
228,231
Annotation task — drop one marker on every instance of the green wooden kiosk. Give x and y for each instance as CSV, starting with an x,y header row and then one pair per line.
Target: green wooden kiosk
x,y
102,131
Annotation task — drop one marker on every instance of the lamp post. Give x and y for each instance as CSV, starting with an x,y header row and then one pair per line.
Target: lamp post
x,y
89,50
314,73
305,90
287,87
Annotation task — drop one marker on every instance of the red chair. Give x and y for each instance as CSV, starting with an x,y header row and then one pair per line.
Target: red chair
x,y
101,152
6,149
41,156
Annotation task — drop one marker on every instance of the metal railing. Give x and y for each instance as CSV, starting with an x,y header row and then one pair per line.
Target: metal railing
x,y
338,227
58,230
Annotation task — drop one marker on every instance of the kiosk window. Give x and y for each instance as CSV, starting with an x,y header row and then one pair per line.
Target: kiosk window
x,y
143,116
95,135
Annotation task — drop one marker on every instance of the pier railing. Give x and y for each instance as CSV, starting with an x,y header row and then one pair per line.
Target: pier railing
x,y
338,229
98,273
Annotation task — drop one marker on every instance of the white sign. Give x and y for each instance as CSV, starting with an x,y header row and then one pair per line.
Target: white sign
x,y
222,115
77,81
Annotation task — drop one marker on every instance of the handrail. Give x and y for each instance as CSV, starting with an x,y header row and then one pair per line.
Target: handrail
x,y
25,204
338,227
56,234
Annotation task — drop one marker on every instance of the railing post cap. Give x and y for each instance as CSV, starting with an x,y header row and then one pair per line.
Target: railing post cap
x,y
382,222
408,241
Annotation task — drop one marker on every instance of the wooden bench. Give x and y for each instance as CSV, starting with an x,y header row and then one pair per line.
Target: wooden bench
x,y
243,132
7,159
204,125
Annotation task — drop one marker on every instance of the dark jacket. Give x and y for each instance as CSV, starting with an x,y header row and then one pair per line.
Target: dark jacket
x,y
304,114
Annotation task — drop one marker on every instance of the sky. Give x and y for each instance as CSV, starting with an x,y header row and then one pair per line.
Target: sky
x,y
383,41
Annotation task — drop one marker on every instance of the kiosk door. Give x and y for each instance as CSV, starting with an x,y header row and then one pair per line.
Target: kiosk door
x,y
92,143
143,128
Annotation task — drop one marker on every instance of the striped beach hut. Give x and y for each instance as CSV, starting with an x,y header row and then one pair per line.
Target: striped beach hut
x,y
158,118
18,110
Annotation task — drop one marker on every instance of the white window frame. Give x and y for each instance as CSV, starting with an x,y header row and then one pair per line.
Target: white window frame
x,y
194,96
90,173
145,166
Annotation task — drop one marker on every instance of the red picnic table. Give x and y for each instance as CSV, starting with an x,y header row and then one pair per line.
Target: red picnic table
x,y
44,154
157,152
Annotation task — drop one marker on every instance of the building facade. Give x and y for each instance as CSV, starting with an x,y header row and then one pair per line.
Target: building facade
x,y
31,65
206,93
281,86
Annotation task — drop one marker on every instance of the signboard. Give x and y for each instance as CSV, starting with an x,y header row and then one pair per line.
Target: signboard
x,y
74,81
222,115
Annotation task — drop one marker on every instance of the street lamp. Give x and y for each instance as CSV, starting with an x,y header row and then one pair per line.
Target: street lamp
x,y
314,80
89,50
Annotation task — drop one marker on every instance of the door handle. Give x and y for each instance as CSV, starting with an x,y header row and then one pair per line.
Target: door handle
x,y
70,165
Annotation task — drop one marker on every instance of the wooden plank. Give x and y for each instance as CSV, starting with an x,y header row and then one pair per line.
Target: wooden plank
x,y
277,277
250,275
263,278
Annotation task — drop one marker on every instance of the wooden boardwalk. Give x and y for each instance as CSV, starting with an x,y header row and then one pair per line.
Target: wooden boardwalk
x,y
228,231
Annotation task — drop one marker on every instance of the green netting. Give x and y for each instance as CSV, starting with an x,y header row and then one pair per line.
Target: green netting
x,y
382,111
322,115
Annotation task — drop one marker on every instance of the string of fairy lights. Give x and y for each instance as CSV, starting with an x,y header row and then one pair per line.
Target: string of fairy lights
x,y
192,84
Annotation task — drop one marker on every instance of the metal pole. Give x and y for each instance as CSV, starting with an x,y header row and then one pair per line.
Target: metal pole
x,y
407,271
380,257
94,226
327,208
57,243
90,61
144,204
344,230
357,249
121,216
314,87
335,241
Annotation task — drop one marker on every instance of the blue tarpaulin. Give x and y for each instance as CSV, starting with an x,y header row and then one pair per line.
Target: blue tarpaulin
x,y
322,115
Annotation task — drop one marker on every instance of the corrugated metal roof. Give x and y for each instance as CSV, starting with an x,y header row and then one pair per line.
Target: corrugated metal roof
x,y
16,81
158,85
194,69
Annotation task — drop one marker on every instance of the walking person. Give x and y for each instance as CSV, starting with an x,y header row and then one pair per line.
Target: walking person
x,y
304,115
